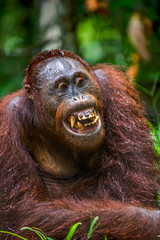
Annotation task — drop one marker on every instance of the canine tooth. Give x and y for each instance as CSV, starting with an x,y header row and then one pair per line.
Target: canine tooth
x,y
96,120
75,125
72,121
83,117
80,126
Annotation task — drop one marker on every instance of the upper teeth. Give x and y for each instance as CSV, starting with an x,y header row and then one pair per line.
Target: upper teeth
x,y
72,120
85,120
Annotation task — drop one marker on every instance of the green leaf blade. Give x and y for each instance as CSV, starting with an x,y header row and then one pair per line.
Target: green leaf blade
x,y
13,234
72,230
37,231
92,226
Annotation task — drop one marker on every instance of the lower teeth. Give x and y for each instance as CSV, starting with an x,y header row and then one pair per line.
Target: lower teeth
x,y
80,126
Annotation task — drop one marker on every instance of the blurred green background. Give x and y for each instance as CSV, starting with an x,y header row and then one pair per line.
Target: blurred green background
x,y
121,32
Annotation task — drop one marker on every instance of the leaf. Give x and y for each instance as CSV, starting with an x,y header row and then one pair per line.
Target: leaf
x,y
38,232
42,233
72,230
92,225
105,237
14,235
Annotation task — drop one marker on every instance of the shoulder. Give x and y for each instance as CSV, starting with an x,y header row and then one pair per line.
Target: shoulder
x,y
11,101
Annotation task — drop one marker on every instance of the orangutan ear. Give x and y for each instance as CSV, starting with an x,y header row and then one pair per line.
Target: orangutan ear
x,y
27,87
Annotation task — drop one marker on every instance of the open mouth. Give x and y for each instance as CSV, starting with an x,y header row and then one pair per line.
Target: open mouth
x,y
83,121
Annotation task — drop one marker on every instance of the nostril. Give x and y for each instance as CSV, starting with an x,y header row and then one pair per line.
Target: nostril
x,y
81,97
75,98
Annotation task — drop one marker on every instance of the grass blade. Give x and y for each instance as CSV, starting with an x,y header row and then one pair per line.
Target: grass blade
x,y
92,226
38,232
42,233
14,235
72,230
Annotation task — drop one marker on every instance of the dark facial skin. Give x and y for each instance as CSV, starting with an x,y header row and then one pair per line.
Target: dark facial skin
x,y
72,109
69,95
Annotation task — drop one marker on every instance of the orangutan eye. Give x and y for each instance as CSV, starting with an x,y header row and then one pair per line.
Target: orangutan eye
x,y
80,82
63,86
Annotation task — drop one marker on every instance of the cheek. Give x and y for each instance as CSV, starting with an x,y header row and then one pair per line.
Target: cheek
x,y
49,106
94,89
60,115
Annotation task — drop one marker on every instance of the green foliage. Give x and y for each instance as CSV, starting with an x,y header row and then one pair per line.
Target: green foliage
x,y
158,198
72,231
38,231
101,37
154,95
93,226
155,132
13,234
17,30
99,41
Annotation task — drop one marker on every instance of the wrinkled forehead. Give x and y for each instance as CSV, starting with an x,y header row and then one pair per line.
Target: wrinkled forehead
x,y
57,66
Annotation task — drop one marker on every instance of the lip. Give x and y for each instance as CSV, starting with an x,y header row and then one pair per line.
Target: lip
x,y
84,122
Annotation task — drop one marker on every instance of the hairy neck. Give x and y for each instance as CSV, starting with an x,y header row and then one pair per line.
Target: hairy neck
x,y
60,162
